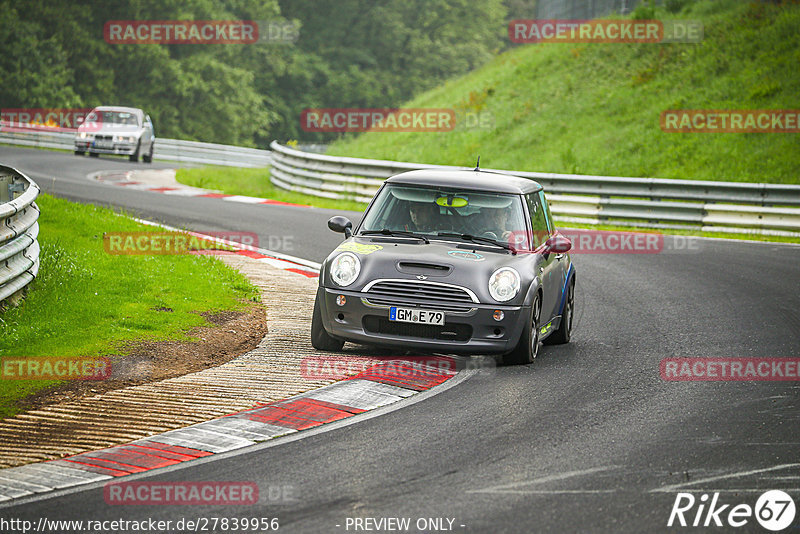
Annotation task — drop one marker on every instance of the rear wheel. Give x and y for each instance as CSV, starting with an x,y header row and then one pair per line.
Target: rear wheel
x,y
93,154
79,152
528,346
320,339
564,332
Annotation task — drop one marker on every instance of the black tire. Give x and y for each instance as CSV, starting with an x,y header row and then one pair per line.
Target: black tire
x,y
564,332
135,156
148,158
320,339
93,154
79,152
528,347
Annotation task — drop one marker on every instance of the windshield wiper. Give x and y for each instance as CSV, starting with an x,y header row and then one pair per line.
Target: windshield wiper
x,y
399,233
479,239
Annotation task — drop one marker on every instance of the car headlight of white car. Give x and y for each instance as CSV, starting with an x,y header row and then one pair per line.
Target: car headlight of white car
x,y
125,138
345,268
504,284
83,135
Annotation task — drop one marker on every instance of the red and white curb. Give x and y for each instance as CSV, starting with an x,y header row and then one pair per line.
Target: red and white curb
x,y
380,385
275,259
123,178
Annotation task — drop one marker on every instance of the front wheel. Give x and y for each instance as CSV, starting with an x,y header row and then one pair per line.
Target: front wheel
x,y
320,339
528,346
79,152
148,158
564,332
135,156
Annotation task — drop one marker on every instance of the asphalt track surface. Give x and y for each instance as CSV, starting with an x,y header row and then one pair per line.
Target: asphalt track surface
x,y
588,438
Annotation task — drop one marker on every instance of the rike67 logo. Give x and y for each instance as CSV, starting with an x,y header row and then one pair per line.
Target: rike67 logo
x,y
774,510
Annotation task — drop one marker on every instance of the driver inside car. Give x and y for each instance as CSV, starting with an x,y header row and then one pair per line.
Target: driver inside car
x,y
424,217
498,223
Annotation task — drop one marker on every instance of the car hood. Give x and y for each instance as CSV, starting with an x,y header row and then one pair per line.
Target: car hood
x,y
449,262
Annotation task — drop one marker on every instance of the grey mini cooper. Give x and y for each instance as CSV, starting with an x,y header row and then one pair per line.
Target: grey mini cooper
x,y
449,262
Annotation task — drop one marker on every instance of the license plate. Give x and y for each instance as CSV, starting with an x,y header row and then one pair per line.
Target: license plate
x,y
405,315
104,144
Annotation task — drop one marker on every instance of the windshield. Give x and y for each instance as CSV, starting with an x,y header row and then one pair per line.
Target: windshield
x,y
436,211
113,117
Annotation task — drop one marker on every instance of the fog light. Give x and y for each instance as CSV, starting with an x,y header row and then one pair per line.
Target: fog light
x,y
498,315
341,300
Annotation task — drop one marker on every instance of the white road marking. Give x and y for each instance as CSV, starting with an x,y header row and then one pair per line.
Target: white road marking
x,y
510,488
674,487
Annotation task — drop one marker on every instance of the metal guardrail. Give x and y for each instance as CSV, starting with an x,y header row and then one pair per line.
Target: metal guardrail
x,y
19,250
642,202
165,149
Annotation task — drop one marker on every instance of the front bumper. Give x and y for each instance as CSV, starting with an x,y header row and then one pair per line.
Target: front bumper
x,y
468,328
120,148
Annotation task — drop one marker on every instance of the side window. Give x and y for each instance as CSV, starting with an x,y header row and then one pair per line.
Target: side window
x,y
538,219
550,226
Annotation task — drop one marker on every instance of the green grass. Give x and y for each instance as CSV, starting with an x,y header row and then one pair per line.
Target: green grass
x,y
87,302
594,108
254,183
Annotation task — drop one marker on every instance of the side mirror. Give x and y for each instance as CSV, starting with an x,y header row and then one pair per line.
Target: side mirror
x,y
341,224
557,243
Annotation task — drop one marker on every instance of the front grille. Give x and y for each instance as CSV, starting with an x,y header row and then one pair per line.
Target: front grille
x,y
448,332
104,137
418,290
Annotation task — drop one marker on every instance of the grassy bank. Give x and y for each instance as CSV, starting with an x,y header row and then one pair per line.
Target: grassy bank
x,y
87,302
595,108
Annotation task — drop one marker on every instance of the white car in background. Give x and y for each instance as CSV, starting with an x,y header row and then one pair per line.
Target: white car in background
x,y
116,130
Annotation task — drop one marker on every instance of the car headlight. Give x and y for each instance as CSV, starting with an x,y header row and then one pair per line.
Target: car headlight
x,y
83,135
124,138
345,268
504,284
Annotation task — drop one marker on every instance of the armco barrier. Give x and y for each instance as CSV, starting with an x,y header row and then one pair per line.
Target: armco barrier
x,y
165,149
19,250
644,202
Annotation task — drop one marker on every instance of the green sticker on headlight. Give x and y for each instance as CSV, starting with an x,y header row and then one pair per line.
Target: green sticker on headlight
x,y
452,202
359,248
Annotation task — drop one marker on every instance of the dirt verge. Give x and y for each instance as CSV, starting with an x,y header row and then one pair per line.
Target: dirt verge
x,y
228,334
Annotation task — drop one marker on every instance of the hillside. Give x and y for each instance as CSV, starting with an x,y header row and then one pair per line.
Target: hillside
x,y
594,108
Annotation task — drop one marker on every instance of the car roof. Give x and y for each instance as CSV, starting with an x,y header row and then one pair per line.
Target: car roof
x,y
135,111
467,179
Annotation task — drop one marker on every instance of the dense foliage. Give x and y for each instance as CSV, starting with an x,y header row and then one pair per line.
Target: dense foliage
x,y
358,53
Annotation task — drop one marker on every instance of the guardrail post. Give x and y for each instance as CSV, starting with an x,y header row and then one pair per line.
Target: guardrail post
x,y
15,187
